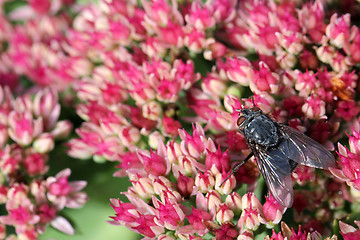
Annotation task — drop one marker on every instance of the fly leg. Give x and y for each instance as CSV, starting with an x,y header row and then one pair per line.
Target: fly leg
x,y
236,167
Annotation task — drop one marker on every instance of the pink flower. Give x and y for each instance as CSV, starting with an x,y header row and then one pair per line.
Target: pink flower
x,y
305,82
226,232
145,225
299,234
60,187
35,164
154,164
326,53
293,105
169,214
267,36
228,186
354,142
314,108
185,73
263,100
237,69
235,141
272,211
46,213
213,200
20,215
23,127
62,129
233,201
200,17
160,12
320,131
308,60
205,181
125,212
3,193
349,232
139,120
311,18
63,193
291,42
224,214
338,30
347,110
223,10
2,231
353,49
194,40
340,62
185,185
143,186
350,164
249,219
44,143
46,105
195,144
40,6
214,85
129,160
10,158
219,159
129,136
152,110
275,236
8,79
215,51
264,79
301,202
172,34
198,217
303,174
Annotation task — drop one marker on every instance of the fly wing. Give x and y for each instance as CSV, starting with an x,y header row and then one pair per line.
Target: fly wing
x,y
304,150
275,168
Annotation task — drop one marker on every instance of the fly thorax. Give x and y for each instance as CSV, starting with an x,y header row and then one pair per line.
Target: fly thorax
x,y
262,131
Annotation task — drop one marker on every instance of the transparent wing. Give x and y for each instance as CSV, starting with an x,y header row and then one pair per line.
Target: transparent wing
x,y
304,150
275,168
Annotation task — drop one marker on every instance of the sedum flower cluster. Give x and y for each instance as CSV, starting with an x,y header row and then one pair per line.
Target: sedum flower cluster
x,y
29,126
157,85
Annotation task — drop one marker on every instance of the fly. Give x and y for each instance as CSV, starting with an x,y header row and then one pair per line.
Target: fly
x,y
278,149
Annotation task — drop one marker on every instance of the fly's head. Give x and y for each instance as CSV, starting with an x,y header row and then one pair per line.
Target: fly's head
x,y
246,115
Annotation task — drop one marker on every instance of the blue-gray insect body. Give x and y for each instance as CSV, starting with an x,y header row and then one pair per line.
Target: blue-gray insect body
x,y
263,131
278,149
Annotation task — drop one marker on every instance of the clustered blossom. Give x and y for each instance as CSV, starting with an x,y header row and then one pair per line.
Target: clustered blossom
x,y
350,162
199,167
29,127
140,74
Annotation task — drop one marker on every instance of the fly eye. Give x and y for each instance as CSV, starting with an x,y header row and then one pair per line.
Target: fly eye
x,y
240,120
255,109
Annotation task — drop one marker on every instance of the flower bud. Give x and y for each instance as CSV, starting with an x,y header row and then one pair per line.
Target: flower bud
x,y
228,186
213,199
204,181
44,143
152,110
224,214
185,185
234,202
62,129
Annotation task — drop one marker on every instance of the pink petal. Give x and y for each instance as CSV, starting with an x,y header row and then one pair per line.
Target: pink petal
x,y
63,225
